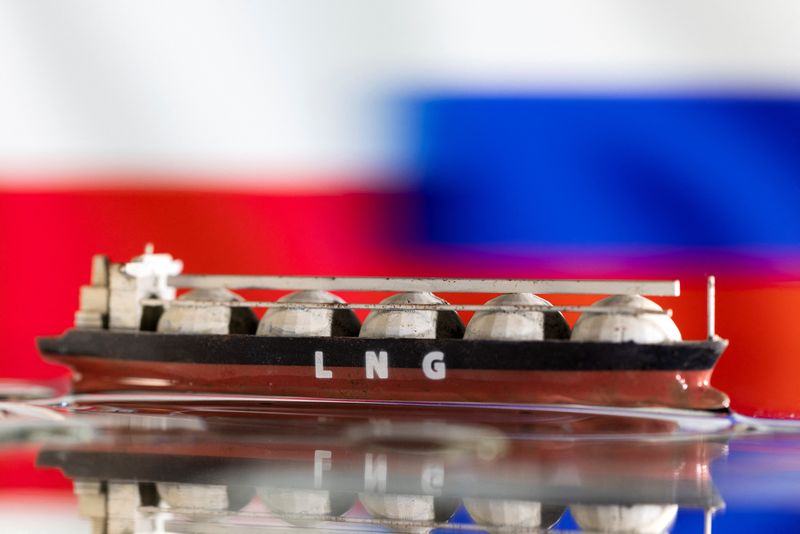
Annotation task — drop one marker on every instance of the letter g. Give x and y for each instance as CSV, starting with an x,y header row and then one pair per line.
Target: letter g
x,y
433,365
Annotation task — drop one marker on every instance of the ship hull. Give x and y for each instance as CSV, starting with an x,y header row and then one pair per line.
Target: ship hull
x,y
487,371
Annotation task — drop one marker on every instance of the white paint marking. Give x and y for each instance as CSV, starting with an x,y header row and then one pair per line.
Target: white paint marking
x,y
433,478
375,470
376,364
322,462
319,366
433,365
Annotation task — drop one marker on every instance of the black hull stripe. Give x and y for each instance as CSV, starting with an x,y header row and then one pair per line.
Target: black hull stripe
x,y
402,353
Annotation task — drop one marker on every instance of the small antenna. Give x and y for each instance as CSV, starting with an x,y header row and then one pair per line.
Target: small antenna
x,y
149,248
711,297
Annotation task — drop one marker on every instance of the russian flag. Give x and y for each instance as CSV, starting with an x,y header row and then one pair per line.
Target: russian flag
x,y
524,139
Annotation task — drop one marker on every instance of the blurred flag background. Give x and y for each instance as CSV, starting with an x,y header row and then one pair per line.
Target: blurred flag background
x,y
617,139
579,138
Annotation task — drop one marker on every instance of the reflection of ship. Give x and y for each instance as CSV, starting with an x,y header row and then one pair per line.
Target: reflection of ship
x,y
132,334
318,466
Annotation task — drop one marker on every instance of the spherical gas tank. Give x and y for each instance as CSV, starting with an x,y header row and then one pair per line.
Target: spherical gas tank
x,y
517,325
497,512
513,513
614,327
309,322
206,497
399,507
305,507
641,518
419,324
208,319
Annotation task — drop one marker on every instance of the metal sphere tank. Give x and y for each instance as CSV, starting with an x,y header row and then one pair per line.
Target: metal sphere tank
x,y
293,504
642,518
419,324
208,319
210,497
513,513
497,512
308,322
517,325
399,507
615,327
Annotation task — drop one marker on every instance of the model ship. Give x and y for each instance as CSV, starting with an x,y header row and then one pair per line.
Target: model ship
x,y
132,333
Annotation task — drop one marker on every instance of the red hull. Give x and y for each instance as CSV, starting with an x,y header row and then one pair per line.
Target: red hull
x,y
675,389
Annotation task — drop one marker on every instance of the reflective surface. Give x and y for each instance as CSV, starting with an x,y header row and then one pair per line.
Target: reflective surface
x,y
236,464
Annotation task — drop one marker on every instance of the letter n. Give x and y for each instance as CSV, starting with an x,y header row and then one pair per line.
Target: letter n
x,y
376,364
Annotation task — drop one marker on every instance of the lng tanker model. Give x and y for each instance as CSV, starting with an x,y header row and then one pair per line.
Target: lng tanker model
x,y
132,334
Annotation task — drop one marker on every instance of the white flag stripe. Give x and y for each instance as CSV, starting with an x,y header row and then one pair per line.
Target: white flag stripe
x,y
267,89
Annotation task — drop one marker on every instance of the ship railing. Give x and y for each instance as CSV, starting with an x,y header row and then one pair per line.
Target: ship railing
x,y
656,288
621,310
433,285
